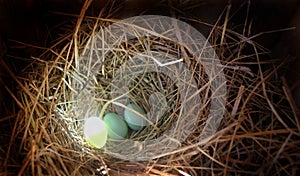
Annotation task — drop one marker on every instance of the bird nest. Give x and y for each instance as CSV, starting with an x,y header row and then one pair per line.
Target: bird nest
x,y
212,109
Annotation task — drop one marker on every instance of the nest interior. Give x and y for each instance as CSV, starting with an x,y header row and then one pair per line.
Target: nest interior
x,y
41,132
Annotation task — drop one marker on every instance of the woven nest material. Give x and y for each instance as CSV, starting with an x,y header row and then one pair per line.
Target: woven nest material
x,y
154,73
58,90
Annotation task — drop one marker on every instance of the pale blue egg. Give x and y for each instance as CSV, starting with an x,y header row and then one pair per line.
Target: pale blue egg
x,y
134,120
95,132
116,126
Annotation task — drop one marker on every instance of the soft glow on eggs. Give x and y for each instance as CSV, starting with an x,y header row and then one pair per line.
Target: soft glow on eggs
x,y
95,132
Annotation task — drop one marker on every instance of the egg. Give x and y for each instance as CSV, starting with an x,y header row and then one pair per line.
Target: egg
x,y
116,126
95,132
134,120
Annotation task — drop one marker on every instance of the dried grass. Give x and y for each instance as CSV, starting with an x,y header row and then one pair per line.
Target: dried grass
x,y
259,133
